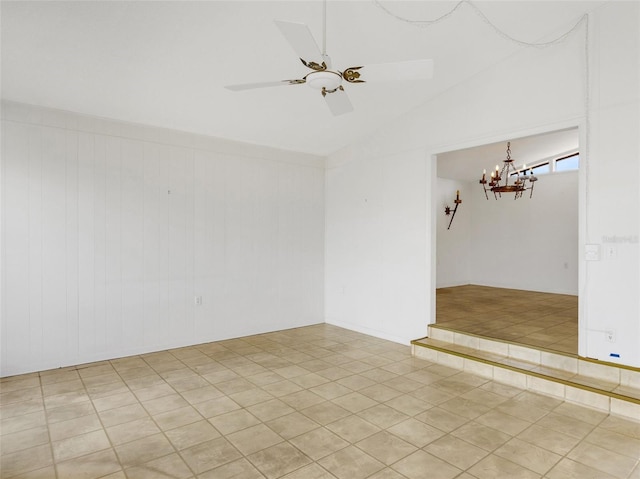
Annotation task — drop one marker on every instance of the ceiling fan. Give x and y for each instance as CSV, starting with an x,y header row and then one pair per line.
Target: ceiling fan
x,y
328,81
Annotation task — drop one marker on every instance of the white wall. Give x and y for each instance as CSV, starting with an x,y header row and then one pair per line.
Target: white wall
x,y
110,230
529,244
536,91
453,245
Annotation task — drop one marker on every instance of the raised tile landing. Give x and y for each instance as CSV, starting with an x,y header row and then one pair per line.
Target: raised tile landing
x,y
530,318
607,387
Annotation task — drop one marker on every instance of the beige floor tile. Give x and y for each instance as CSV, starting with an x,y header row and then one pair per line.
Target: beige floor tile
x,y
432,395
238,469
62,387
292,425
356,382
217,406
253,439
73,427
382,416
250,397
192,434
484,437
177,417
415,465
272,409
503,422
312,471
386,447
622,426
351,463
234,385
603,459
103,390
20,395
408,404
168,467
416,432
205,393
302,399
80,445
23,422
114,401
143,450
522,410
615,442
566,424
22,407
154,392
455,451
26,439
528,455
120,415
282,388
549,439
568,469
387,473
355,402
130,431
279,460
26,460
318,443
441,419
325,412
330,390
353,428
48,472
234,421
465,408
97,464
493,466
164,404
364,390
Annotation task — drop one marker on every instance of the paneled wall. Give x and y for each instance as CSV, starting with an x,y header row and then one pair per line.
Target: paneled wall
x,y
112,231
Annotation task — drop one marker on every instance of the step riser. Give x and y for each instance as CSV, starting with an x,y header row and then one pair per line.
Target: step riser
x,y
601,402
573,365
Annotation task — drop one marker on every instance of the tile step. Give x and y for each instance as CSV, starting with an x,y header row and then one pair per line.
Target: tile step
x,y
607,387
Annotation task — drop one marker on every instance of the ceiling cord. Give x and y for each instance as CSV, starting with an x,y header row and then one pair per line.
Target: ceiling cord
x,y
483,17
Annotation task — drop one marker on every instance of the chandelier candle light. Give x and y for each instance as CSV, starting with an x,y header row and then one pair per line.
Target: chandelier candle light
x,y
518,187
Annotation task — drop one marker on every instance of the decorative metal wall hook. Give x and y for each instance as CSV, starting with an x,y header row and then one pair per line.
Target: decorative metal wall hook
x,y
448,211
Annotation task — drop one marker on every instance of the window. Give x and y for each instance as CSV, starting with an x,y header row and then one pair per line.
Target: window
x,y
541,169
564,163
567,163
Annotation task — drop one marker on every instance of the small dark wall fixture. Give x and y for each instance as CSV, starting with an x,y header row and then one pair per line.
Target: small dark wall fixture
x,y
448,211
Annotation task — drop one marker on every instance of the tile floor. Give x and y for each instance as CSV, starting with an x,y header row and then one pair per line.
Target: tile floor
x,y
527,317
308,403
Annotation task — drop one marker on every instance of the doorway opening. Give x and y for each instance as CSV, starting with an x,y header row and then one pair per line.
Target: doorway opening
x,y
508,269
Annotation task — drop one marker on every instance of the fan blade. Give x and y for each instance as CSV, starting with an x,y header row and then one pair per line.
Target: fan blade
x,y
299,37
338,102
411,70
251,86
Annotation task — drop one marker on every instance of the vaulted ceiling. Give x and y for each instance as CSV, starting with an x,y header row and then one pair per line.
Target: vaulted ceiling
x,y
166,63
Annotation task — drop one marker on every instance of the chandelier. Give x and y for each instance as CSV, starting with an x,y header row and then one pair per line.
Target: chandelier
x,y
521,181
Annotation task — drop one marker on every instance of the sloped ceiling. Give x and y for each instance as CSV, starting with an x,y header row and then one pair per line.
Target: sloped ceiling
x,y
166,63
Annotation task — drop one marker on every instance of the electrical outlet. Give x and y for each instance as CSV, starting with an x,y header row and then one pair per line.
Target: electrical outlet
x,y
610,336
198,300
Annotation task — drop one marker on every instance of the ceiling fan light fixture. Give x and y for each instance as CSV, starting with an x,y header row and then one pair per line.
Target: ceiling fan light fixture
x,y
325,80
